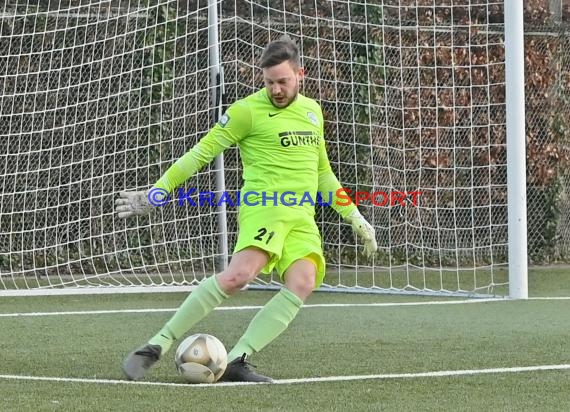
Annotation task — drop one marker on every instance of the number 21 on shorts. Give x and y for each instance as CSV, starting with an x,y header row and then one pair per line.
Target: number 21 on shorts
x,y
261,235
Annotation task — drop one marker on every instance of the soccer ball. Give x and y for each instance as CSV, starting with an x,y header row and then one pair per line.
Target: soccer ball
x,y
201,358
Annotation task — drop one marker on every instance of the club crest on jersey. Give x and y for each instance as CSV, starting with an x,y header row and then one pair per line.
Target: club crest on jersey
x,y
224,120
313,118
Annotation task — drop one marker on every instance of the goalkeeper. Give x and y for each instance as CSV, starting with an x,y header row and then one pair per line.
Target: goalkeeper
x,y
280,135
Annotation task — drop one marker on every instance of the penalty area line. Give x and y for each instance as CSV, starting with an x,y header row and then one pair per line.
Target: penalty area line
x,y
231,308
434,374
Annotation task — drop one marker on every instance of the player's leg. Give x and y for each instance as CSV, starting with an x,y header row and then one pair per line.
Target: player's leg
x,y
302,268
271,321
243,267
276,314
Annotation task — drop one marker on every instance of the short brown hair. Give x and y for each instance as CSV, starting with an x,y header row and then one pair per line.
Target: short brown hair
x,y
278,51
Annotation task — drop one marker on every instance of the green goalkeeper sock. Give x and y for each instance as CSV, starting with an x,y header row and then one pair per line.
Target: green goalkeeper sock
x,y
197,305
268,324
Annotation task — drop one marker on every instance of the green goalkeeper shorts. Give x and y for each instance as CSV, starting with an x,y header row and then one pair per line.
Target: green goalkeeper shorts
x,y
286,233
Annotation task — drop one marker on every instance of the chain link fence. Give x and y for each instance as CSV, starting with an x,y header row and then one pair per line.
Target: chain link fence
x,y
547,77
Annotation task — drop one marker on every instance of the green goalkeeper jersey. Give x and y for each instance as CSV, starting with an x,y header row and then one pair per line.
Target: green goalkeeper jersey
x,y
282,150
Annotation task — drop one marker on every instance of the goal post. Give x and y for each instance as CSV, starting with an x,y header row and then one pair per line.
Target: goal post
x,y
104,97
516,149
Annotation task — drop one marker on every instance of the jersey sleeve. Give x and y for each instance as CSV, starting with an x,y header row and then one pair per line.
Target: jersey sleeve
x,y
233,126
328,183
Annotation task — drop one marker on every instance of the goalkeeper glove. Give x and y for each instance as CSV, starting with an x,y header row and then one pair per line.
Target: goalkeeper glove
x,y
362,228
132,204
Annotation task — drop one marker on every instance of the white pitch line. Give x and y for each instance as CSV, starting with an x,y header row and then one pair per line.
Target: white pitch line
x,y
312,306
434,374
317,305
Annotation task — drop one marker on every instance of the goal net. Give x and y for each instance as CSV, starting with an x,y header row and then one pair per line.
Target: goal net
x,y
103,96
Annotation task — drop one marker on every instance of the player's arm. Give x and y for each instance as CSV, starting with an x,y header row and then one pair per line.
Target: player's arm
x,y
328,183
234,125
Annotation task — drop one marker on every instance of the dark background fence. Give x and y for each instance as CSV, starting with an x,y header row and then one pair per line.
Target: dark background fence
x,y
98,98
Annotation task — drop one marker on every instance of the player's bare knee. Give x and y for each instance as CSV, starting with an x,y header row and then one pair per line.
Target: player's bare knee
x,y
233,280
301,284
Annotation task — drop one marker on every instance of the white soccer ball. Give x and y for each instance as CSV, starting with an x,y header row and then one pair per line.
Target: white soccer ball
x,y
201,358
